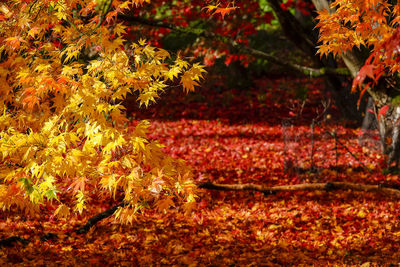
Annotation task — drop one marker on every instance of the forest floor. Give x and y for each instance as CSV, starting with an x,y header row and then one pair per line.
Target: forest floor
x,y
261,136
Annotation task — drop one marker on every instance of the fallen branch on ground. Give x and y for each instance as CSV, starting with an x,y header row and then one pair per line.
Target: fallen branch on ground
x,y
330,186
10,241
267,190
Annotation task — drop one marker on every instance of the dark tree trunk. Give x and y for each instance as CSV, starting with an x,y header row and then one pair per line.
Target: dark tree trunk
x,y
388,121
306,40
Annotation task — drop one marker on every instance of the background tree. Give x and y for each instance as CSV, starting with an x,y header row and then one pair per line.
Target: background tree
x,y
234,32
245,32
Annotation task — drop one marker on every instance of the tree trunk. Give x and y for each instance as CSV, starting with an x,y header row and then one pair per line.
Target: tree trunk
x,y
388,123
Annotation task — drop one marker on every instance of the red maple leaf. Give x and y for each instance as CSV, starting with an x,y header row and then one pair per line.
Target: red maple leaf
x,y
365,71
383,111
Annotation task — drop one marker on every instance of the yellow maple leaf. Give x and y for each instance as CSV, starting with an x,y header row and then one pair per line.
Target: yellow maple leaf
x,y
187,82
120,29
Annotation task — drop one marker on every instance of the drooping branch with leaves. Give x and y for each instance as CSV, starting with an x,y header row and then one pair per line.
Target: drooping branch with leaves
x,y
63,130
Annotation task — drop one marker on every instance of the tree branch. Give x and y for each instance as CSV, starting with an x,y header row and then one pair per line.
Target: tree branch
x,y
10,241
308,71
294,31
267,190
95,219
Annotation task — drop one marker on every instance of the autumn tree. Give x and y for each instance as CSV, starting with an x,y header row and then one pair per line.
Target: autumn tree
x,y
65,69
235,32
372,26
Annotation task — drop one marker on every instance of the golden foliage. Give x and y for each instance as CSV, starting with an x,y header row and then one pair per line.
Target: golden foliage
x,y
355,24
62,124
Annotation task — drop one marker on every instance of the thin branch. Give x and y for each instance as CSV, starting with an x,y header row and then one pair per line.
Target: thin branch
x,y
330,186
308,71
345,147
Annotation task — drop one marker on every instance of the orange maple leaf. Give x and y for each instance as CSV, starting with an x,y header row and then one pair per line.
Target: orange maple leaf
x,y
224,11
78,184
164,204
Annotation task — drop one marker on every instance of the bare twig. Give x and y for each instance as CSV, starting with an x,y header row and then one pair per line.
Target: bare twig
x,y
333,134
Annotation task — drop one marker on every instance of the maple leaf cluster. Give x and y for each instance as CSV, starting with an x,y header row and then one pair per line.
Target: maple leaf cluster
x,y
363,24
65,70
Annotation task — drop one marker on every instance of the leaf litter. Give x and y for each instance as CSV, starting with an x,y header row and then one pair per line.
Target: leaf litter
x,y
237,136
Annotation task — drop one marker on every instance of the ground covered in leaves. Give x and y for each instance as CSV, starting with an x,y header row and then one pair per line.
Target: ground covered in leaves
x,y
262,136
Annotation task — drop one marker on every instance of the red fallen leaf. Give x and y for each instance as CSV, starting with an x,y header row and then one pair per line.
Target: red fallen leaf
x,y
202,204
360,132
383,111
